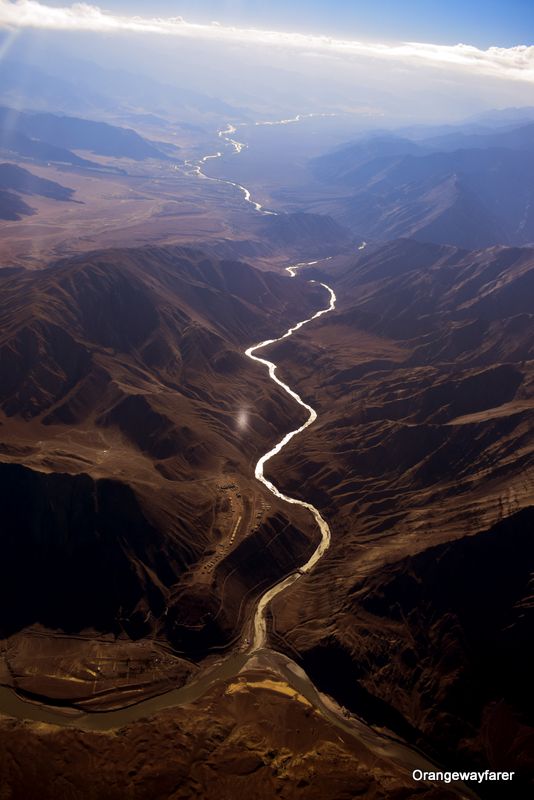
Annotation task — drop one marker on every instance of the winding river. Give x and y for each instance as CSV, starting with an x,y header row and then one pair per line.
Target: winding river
x,y
195,167
260,625
257,652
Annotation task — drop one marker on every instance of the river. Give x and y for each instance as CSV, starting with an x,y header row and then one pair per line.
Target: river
x,y
260,625
256,653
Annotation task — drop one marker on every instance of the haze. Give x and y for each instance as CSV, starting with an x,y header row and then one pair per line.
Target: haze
x,y
299,69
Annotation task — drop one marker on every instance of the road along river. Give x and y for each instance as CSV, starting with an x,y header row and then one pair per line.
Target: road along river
x,y
255,654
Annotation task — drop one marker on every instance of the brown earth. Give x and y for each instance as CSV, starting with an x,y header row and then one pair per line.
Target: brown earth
x,y
420,614
252,736
157,203
130,422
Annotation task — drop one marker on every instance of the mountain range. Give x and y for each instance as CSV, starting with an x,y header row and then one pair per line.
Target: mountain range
x,y
48,137
130,424
468,189
123,380
16,181
422,460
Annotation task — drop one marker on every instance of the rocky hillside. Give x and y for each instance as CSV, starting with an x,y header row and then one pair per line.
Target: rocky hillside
x,y
422,460
126,404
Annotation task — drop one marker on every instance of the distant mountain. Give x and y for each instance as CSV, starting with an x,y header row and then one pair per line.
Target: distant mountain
x,y
52,137
15,181
471,190
12,207
505,116
485,123
341,165
14,143
24,85
521,138
73,86
138,90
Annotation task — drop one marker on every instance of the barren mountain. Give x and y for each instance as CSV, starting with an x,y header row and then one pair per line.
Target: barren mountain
x,y
446,189
130,423
15,181
422,461
251,735
53,137
136,540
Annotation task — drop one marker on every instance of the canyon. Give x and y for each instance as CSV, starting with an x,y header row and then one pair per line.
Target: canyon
x,y
137,541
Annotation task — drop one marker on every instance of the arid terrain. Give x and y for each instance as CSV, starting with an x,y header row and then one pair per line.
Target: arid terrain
x,y
137,537
137,419
428,484
253,735
115,188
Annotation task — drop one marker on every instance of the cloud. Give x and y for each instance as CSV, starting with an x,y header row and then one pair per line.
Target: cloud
x,y
513,63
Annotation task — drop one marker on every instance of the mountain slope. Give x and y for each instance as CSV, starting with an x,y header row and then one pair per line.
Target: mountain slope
x,y
53,137
472,191
15,181
422,462
126,404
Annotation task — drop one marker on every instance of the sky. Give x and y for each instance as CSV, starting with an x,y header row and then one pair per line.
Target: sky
x,y
438,58
479,22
